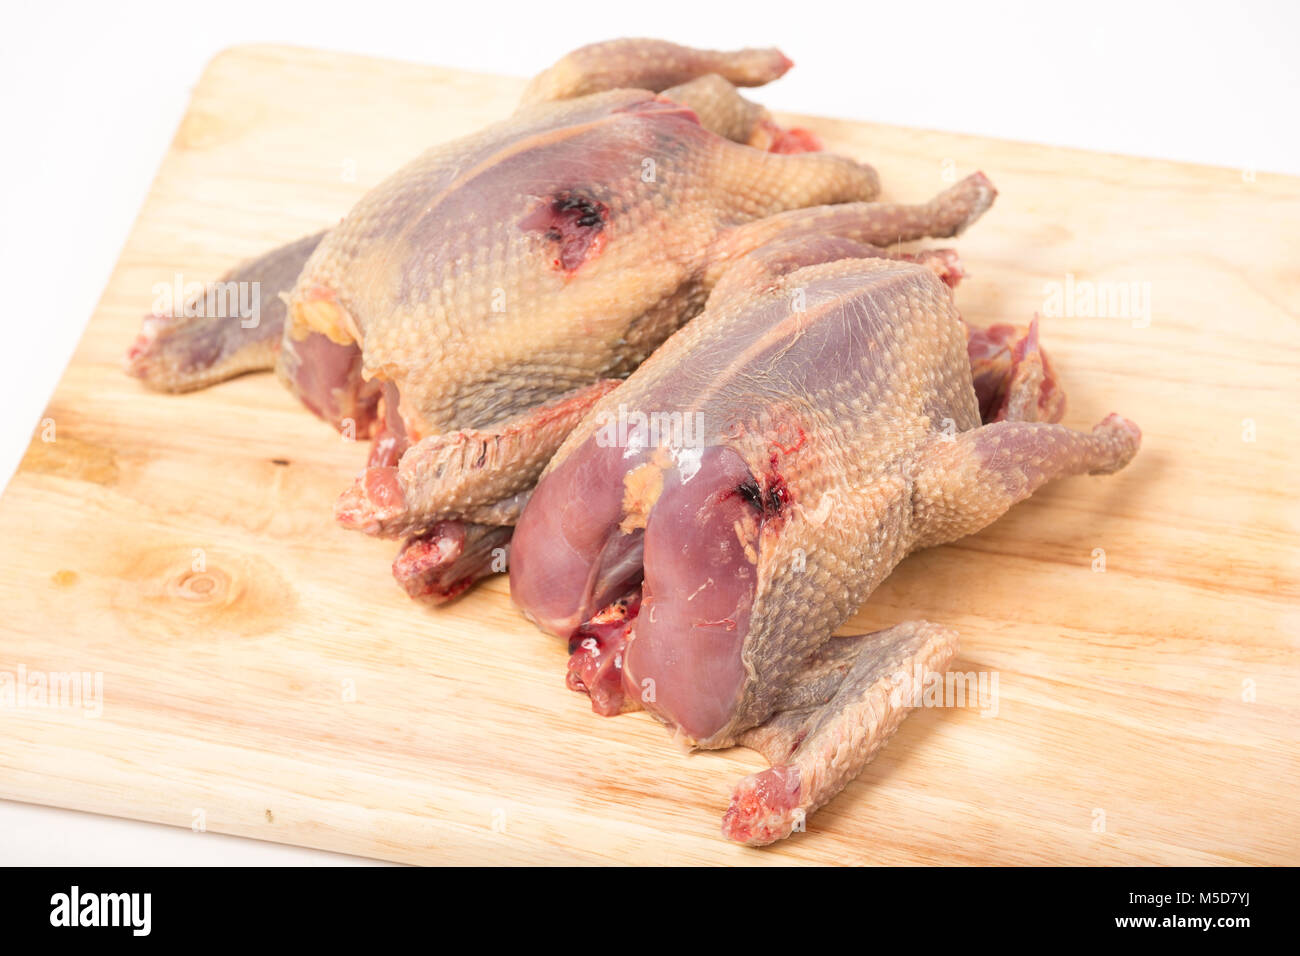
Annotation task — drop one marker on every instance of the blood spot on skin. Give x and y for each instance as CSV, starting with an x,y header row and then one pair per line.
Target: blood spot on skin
x,y
778,492
768,499
750,491
575,224
768,493
796,443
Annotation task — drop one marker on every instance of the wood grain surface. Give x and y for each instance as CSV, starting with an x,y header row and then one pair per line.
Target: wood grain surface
x,y
263,675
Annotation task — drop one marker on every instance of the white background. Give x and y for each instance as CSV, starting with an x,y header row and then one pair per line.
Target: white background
x,y
91,94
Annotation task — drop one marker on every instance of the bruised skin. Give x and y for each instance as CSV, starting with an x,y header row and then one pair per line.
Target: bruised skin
x,y
828,455
574,223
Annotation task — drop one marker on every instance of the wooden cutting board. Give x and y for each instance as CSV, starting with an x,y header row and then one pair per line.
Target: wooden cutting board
x,y
263,676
